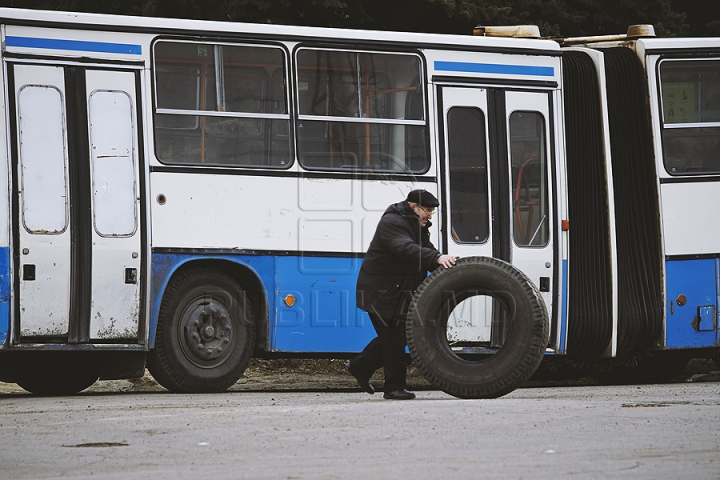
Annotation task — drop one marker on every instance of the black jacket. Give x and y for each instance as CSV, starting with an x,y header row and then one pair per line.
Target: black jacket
x,y
396,263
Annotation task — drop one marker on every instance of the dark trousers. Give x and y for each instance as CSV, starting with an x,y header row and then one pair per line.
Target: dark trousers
x,y
387,350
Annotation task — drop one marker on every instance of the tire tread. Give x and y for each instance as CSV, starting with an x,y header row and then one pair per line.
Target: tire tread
x,y
527,360
160,363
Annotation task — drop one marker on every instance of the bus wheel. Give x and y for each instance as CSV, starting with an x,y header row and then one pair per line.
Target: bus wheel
x,y
205,333
498,356
57,373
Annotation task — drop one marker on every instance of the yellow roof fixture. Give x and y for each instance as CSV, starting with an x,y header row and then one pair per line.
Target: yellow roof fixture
x,y
638,31
515,31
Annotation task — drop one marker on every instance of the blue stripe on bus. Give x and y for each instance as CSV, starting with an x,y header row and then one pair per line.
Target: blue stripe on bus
x,y
76,45
563,307
5,281
472,67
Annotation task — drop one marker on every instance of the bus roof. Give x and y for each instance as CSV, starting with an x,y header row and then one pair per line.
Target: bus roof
x,y
93,21
658,45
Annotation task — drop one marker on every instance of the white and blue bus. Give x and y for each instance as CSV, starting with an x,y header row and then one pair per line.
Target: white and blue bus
x,y
187,194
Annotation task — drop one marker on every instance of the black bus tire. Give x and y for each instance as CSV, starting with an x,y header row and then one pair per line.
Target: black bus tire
x,y
57,373
492,375
205,333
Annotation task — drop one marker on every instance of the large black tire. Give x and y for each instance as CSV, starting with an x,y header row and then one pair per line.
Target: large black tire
x,y
526,334
205,334
57,373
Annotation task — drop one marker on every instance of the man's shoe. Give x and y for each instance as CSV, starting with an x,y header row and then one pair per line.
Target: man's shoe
x,y
363,382
401,394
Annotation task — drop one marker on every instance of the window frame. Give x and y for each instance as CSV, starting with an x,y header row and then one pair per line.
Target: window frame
x,y
262,116
545,174
679,126
298,117
482,169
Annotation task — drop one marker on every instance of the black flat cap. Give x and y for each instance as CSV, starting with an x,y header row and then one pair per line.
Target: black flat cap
x,y
423,198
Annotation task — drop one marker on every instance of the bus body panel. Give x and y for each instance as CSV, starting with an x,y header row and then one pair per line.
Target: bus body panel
x,y
6,271
492,67
271,213
5,294
324,317
689,227
320,316
100,46
167,264
692,306
686,142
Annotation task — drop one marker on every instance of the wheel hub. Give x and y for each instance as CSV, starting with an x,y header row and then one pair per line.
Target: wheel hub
x,y
207,329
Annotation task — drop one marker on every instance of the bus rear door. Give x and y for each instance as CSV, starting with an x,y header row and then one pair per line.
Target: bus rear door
x,y
78,240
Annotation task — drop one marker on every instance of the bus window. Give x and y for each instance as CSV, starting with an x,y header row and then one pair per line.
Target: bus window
x,y
43,157
529,179
113,167
353,111
690,92
468,175
220,105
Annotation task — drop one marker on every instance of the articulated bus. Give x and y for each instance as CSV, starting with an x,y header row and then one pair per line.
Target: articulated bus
x,y
184,195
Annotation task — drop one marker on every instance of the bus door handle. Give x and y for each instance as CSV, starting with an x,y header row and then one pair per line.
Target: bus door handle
x,y
131,275
28,272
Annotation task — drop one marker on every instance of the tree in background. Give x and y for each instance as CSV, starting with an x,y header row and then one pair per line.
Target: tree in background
x,y
92,6
703,17
600,17
554,17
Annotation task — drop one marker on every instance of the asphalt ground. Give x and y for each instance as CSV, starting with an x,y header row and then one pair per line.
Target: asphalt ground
x,y
582,431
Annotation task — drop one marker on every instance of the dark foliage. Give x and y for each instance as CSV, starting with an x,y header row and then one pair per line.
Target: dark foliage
x,y
555,17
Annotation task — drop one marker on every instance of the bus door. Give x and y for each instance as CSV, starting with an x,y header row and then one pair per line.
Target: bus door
x,y
496,193
78,244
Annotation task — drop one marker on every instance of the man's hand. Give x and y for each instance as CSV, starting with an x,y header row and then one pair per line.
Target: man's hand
x,y
447,261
